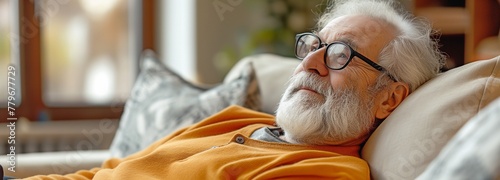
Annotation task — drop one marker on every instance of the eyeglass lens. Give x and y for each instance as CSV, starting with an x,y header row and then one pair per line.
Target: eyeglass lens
x,y
337,54
306,44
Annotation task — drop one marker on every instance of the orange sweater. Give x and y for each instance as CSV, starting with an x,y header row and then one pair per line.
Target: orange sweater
x,y
219,147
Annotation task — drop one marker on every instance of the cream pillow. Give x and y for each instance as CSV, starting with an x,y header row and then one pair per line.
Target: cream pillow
x,y
473,153
412,136
273,73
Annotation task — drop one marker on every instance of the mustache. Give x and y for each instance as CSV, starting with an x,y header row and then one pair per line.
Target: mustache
x,y
307,80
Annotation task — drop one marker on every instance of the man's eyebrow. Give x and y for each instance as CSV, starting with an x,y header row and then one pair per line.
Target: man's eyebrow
x,y
348,42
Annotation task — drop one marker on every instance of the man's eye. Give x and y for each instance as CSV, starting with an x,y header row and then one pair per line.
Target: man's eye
x,y
312,48
341,59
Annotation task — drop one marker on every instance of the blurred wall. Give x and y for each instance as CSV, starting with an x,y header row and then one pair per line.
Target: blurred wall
x,y
220,25
192,33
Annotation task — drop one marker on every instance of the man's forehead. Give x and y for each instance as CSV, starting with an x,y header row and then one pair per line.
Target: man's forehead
x,y
357,31
347,38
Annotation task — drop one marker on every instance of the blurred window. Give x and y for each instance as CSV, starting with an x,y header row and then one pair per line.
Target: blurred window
x,y
5,25
85,52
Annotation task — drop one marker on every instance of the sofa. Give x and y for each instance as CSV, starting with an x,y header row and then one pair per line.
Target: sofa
x,y
404,146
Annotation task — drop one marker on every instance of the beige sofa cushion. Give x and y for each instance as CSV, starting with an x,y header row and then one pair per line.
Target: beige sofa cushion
x,y
273,73
473,153
411,137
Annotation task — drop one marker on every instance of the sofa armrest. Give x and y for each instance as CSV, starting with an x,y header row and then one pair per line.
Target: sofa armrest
x,y
53,162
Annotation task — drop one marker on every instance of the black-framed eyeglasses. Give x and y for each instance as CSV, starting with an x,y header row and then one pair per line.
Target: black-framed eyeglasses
x,y
337,56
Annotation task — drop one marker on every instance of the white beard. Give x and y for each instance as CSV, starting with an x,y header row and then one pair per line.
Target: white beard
x,y
337,117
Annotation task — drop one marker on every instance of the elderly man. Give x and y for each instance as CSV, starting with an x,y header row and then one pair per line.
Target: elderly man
x,y
357,68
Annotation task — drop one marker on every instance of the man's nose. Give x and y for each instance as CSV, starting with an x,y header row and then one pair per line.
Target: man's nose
x,y
314,62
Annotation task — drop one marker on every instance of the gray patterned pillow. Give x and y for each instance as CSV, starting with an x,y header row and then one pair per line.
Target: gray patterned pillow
x,y
162,102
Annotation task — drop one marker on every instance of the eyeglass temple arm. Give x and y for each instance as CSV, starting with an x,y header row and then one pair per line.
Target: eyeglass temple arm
x,y
374,65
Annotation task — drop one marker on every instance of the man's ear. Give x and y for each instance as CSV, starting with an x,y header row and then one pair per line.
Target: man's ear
x,y
390,98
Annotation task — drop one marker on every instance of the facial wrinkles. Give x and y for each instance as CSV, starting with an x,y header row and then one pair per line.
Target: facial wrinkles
x,y
364,75
339,32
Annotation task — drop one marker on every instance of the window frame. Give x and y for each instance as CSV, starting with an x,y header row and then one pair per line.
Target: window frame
x,y
32,106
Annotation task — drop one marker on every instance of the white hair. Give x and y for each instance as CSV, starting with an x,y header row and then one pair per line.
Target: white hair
x,y
412,56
